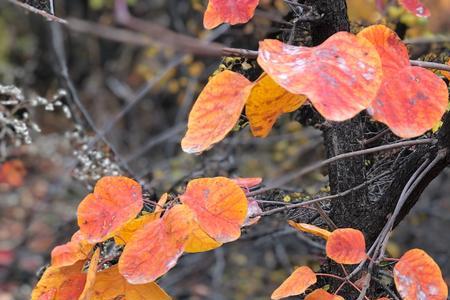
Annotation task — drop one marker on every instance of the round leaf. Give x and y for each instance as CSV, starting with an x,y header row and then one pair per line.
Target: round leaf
x,y
417,276
341,77
296,284
346,246
411,102
115,201
393,53
61,283
229,11
216,111
267,101
109,284
75,250
219,206
155,249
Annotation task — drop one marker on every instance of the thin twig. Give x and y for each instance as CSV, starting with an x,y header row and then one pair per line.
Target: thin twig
x,y
306,203
42,13
289,177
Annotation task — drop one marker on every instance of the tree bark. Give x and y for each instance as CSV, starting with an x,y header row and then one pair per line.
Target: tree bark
x,y
365,209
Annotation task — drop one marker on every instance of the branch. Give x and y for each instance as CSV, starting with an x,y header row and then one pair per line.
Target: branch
x,y
42,13
289,177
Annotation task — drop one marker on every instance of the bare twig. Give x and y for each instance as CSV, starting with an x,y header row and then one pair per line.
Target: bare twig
x,y
42,13
306,203
289,177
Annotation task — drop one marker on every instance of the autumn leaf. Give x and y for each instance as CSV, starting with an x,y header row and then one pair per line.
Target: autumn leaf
x,y
321,294
216,111
200,241
91,276
417,276
115,201
127,231
346,246
154,249
12,173
317,231
340,77
247,183
393,53
75,250
296,284
229,11
411,100
416,7
267,101
60,283
219,206
109,284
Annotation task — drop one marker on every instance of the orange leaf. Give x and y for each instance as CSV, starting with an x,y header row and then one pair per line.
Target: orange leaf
x,y
416,7
393,53
109,284
216,111
219,205
411,100
91,276
75,250
229,11
200,241
12,173
296,284
321,294
127,231
60,283
417,276
155,249
247,183
341,77
346,246
267,101
317,231
115,201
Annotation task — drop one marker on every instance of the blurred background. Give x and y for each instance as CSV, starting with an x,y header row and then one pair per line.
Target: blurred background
x,y
121,108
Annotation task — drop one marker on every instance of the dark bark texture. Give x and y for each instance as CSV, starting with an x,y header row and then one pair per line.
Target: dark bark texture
x,y
367,209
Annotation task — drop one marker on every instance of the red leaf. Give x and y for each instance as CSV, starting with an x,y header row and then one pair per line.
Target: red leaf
x,y
296,284
115,201
417,276
216,111
416,7
346,246
341,77
411,100
155,249
219,205
393,53
229,11
60,283
75,250
247,183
